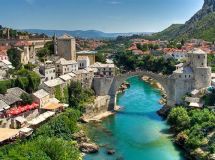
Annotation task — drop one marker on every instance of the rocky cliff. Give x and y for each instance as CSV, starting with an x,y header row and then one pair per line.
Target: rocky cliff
x,y
208,7
201,25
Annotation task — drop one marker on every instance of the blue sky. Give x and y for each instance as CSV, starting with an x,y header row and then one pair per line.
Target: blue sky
x,y
104,15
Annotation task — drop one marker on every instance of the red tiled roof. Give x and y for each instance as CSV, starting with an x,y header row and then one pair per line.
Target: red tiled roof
x,y
3,52
22,43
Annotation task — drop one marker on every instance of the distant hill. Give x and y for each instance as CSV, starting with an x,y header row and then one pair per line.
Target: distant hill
x,y
89,34
201,25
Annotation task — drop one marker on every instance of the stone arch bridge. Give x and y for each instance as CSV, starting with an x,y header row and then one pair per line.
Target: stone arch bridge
x,y
109,86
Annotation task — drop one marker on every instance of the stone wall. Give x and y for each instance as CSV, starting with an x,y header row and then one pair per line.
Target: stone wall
x,y
100,105
202,76
102,86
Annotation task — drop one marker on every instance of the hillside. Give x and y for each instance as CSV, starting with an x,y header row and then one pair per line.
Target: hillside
x,y
201,25
89,34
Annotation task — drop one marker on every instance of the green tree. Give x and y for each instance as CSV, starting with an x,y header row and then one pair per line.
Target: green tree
x,y
14,56
75,94
3,89
26,98
78,95
100,57
43,54
179,118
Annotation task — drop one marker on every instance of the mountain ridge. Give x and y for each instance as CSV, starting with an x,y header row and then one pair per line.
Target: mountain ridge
x,y
201,25
88,34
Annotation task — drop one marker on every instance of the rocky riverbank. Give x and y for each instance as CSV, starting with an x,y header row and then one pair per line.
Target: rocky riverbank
x,y
97,110
153,82
125,85
84,143
163,112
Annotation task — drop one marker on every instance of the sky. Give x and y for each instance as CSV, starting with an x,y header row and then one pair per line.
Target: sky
x,y
104,15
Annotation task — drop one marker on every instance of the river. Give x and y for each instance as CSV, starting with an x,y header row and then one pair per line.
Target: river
x,y
136,132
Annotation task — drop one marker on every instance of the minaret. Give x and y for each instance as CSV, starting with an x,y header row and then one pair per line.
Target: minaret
x,y
8,33
55,44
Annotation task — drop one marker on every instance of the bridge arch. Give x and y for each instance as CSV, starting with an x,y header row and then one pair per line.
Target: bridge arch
x,y
165,82
109,85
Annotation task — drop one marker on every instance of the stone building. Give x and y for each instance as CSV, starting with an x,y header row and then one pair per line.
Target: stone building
x,y
104,70
50,86
83,62
64,66
48,70
66,47
41,97
85,76
193,74
25,54
3,54
90,54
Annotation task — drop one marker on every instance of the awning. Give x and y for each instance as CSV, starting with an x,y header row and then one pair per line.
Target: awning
x,y
54,100
22,109
52,106
41,118
6,133
65,105
197,105
26,130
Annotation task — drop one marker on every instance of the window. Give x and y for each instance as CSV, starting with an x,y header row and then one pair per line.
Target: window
x,y
185,76
198,57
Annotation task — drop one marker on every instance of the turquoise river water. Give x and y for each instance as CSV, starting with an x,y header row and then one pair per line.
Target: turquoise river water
x,y
136,132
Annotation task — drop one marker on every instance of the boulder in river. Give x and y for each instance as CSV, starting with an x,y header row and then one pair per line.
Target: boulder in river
x,y
89,148
111,152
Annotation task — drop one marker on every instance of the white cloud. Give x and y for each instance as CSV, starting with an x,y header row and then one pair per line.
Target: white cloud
x,y
114,2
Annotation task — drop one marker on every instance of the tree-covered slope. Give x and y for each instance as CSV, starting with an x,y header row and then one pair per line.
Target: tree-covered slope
x,y
201,25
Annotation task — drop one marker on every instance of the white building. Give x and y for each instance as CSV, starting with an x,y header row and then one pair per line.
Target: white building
x,y
64,66
41,97
83,62
51,85
104,69
48,70
179,55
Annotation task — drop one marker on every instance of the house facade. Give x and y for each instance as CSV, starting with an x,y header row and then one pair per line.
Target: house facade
x,y
64,66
